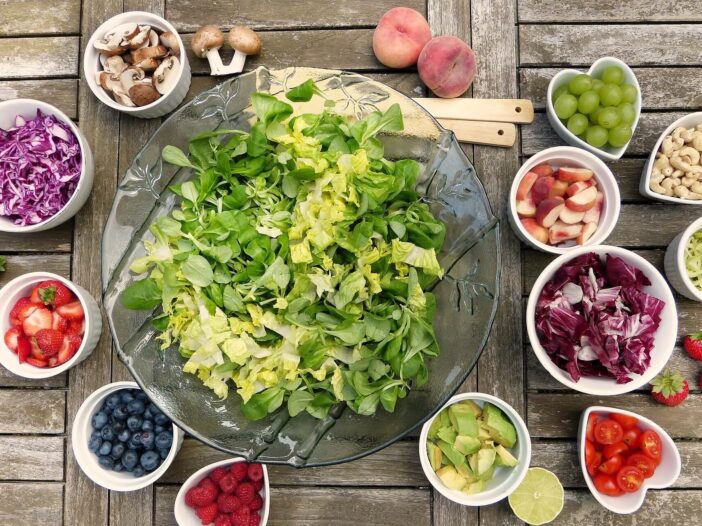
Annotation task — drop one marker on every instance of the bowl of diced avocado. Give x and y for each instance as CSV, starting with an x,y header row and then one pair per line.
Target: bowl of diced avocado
x,y
476,450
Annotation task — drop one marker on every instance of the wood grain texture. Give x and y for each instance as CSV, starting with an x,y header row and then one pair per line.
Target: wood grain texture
x,y
187,15
30,17
31,458
7,379
57,239
17,265
46,415
62,93
38,57
581,45
562,11
25,504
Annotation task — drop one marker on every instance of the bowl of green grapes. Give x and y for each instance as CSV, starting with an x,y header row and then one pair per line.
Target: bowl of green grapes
x,y
597,110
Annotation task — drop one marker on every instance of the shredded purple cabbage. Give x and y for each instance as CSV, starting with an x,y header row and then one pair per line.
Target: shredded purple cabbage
x,y
593,318
40,161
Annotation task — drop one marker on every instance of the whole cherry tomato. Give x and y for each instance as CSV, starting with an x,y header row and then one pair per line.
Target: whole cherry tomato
x,y
612,465
626,421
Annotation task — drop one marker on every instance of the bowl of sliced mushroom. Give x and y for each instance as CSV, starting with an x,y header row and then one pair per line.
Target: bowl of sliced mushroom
x,y
673,173
136,63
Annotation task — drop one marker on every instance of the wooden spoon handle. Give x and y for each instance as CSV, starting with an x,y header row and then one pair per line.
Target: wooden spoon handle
x,y
480,132
497,110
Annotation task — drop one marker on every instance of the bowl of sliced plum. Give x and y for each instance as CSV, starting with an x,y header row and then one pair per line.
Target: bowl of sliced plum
x,y
563,198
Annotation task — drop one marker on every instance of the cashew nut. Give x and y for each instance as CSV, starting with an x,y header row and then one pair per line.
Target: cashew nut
x,y
696,142
661,161
697,187
680,164
690,155
677,173
687,181
667,146
694,195
678,138
681,191
667,184
677,169
656,187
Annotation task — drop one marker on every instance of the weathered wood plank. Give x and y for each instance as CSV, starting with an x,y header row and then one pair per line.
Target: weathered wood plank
x,y
31,458
557,415
563,11
46,414
650,225
31,503
30,17
7,379
187,15
17,265
57,239
539,135
641,45
307,506
38,57
62,93
657,90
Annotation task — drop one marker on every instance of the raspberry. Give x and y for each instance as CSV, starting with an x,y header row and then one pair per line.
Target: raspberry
x,y
207,513
258,484
254,519
198,497
217,474
241,517
223,520
255,472
227,503
257,503
245,491
239,470
227,483
210,487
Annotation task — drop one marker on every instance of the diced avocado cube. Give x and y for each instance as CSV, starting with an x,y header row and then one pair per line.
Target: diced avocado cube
x,y
474,408
475,487
447,434
467,473
483,433
450,478
444,419
505,457
454,456
487,476
434,428
486,458
473,463
466,445
463,420
435,455
500,428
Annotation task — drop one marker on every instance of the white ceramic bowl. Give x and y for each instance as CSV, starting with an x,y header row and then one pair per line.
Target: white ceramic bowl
x,y
21,287
688,121
27,108
505,480
666,473
674,263
185,515
562,156
87,460
608,153
664,342
166,103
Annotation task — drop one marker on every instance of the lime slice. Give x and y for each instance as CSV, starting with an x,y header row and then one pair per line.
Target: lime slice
x,y
539,498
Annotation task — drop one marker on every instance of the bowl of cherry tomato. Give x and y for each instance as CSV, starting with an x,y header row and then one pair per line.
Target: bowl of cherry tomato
x,y
623,455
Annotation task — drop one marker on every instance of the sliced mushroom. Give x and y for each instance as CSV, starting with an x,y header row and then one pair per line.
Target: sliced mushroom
x,y
101,79
108,49
143,94
166,75
148,65
153,38
123,99
148,52
206,43
245,42
141,39
170,40
130,75
115,65
122,33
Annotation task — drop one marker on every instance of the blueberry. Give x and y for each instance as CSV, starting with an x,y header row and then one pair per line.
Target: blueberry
x,y
153,408
148,415
124,436
112,401
118,467
164,440
105,448
148,439
138,471
150,460
147,425
107,434
159,429
161,420
106,462
135,441
141,395
134,423
99,420
117,450
94,443
118,427
130,459
126,397
136,407
164,453
120,412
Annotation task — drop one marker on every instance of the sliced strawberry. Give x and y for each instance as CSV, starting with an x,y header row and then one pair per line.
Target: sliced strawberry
x,y
53,361
68,349
54,293
35,350
76,327
24,349
11,338
34,297
50,341
74,342
37,363
26,310
39,319
71,311
58,323
14,313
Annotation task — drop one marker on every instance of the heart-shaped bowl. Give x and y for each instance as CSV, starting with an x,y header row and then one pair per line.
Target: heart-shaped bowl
x,y
608,153
666,474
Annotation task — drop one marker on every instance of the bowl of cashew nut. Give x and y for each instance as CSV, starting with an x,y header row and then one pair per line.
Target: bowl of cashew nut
x,y
673,173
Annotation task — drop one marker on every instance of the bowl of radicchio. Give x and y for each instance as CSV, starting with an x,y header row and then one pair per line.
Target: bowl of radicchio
x,y
602,320
46,166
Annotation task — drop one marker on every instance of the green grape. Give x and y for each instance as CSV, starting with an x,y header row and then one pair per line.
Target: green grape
x,y
597,85
578,123
629,93
559,91
613,75
565,106
593,116
627,113
610,95
596,136
619,135
608,117
588,102
579,84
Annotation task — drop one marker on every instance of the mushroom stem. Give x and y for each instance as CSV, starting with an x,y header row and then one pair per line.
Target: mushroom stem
x,y
237,63
216,66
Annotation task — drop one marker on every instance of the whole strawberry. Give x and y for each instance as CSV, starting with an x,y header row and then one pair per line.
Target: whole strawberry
x,y
693,345
669,388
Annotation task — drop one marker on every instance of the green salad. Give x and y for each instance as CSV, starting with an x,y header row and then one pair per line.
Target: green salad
x,y
693,259
296,267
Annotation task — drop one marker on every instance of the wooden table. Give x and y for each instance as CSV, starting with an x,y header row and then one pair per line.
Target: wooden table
x,y
519,47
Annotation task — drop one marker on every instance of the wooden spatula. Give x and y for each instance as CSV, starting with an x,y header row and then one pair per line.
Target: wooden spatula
x,y
482,132
518,111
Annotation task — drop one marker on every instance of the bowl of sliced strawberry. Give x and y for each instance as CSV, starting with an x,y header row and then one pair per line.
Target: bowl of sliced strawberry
x,y
48,324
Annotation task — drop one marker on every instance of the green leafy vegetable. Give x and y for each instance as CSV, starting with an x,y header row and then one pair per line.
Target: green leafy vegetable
x,y
303,92
2,264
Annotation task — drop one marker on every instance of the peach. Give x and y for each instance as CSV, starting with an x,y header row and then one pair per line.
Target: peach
x,y
542,188
593,215
535,230
447,66
548,210
574,188
582,201
587,232
400,36
573,175
525,185
526,207
558,189
560,232
570,217
543,170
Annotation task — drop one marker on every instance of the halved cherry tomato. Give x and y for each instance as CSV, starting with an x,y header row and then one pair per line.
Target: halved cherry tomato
x,y
590,451
612,465
644,464
629,479
607,485
592,468
614,449
650,444
608,431
626,421
631,437
591,421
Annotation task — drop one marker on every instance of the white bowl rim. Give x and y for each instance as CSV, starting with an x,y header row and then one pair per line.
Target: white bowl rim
x,y
556,372
665,438
199,474
693,227
83,412
604,172
44,106
513,480
23,369
614,153
106,26
648,167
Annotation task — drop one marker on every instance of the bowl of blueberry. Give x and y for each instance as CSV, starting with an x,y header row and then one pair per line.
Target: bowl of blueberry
x,y
121,440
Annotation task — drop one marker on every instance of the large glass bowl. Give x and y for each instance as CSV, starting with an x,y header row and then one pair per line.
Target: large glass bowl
x,y
466,297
